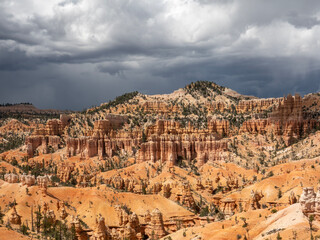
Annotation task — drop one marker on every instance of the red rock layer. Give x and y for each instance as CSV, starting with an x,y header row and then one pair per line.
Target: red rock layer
x,y
286,120
47,137
257,105
104,141
170,147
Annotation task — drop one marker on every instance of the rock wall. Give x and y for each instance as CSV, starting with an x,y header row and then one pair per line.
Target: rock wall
x,y
47,138
166,140
159,107
310,202
164,127
290,108
155,228
285,120
104,139
170,147
11,178
43,144
257,105
217,107
221,127
101,146
101,231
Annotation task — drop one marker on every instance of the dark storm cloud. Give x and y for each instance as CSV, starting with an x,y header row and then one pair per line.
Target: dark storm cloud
x,y
113,68
254,76
76,53
302,21
13,60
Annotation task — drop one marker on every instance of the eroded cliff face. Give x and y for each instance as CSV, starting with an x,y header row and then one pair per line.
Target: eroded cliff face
x,y
168,148
149,166
173,140
163,141
286,119
48,138
168,140
310,202
104,140
257,105
226,117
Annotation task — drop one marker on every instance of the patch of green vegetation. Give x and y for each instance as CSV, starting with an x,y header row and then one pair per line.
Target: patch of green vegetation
x,y
12,141
14,104
204,87
117,101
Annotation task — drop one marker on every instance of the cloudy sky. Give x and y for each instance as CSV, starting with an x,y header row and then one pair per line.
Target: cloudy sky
x,y
71,54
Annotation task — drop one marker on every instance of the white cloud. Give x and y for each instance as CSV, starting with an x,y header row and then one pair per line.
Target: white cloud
x,y
75,27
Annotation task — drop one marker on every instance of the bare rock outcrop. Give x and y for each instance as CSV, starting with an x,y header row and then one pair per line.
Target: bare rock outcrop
x,y
103,140
169,147
292,199
126,184
257,105
158,107
43,182
286,120
80,233
62,210
221,127
228,207
129,225
308,201
14,217
101,231
155,228
185,197
48,138
11,178
27,180
255,198
64,171
166,190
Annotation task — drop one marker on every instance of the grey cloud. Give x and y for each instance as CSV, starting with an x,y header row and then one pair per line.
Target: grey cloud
x,y
15,59
263,12
263,77
100,49
15,31
302,21
113,68
63,3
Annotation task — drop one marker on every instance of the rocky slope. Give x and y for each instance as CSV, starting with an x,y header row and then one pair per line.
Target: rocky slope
x,y
203,162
